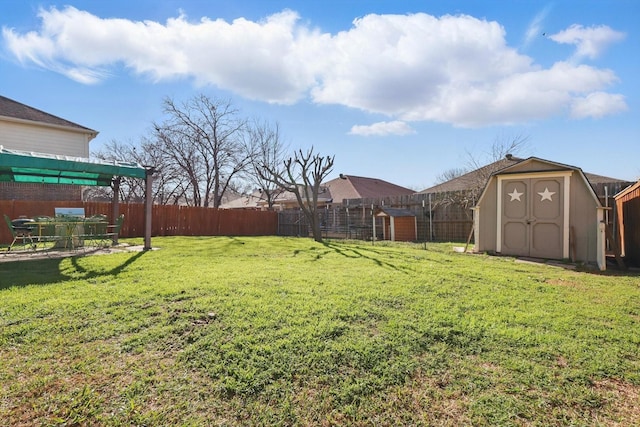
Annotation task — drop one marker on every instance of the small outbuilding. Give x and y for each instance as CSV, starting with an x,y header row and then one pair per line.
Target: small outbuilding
x,y
541,209
628,209
399,225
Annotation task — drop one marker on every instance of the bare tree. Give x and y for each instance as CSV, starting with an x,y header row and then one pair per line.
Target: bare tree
x,y
302,175
478,168
130,189
166,182
204,138
450,174
269,154
503,145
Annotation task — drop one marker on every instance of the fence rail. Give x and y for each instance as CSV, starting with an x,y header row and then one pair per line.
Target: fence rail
x,y
167,220
357,223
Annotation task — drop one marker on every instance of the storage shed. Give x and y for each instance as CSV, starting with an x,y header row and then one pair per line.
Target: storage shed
x,y
541,209
628,209
398,225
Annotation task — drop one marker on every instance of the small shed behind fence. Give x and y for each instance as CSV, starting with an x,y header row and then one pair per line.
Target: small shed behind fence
x,y
628,209
398,225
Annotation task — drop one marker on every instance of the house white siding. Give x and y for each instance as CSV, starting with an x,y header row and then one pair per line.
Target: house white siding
x,y
44,139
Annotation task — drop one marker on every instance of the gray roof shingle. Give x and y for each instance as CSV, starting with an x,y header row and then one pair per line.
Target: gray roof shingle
x,y
16,110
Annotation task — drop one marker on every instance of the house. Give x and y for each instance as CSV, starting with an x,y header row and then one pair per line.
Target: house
x,y
348,188
628,221
542,209
28,129
281,200
334,193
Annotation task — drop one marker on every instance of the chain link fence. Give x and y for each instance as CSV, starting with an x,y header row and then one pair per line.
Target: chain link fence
x,y
436,219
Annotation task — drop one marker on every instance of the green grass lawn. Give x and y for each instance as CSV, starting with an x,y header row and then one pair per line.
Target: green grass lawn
x,y
284,331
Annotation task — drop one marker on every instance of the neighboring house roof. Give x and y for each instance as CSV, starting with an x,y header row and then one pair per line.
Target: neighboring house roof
x,y
283,199
244,201
332,192
288,198
357,187
474,178
16,111
599,179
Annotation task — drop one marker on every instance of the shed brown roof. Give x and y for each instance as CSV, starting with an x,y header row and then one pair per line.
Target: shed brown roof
x,y
16,110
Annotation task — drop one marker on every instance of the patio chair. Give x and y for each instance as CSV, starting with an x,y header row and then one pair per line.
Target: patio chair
x,y
114,230
22,234
47,232
95,231
107,235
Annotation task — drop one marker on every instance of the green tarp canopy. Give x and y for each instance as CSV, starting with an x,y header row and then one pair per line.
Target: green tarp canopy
x,y
22,166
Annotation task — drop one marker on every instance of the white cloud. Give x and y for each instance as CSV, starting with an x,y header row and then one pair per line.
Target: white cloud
x,y
452,69
597,105
383,129
535,27
590,42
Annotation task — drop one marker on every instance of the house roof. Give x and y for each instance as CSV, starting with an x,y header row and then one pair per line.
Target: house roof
x,y
324,196
244,201
16,111
334,191
475,178
357,187
257,199
599,179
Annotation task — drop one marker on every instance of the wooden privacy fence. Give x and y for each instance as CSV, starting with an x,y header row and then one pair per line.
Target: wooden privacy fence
x,y
167,220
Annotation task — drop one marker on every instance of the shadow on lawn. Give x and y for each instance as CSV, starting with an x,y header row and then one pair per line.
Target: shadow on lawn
x,y
48,271
355,253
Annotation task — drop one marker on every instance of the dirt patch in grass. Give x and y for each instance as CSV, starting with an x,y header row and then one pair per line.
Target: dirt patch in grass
x,y
623,399
565,283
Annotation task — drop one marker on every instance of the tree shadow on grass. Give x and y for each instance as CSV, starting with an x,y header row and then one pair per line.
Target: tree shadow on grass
x,y
48,271
352,252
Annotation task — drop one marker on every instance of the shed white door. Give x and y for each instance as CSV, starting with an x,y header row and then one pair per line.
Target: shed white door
x,y
532,217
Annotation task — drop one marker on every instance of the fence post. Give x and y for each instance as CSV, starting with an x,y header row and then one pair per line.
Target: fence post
x,y
148,206
430,219
115,204
373,220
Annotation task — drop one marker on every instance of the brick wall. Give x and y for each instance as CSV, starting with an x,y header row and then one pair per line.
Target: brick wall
x,y
21,191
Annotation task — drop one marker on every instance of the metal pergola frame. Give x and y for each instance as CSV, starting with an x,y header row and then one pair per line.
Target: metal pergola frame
x,y
29,167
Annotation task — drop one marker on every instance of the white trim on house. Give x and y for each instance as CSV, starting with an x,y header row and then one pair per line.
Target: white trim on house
x,y
392,228
601,258
476,228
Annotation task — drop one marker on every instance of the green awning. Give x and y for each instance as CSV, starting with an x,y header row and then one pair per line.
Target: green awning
x,y
22,166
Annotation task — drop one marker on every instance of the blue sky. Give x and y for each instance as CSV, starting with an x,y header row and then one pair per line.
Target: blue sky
x,y
397,90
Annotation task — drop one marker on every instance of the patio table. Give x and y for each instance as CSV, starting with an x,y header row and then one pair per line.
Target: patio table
x,y
67,233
